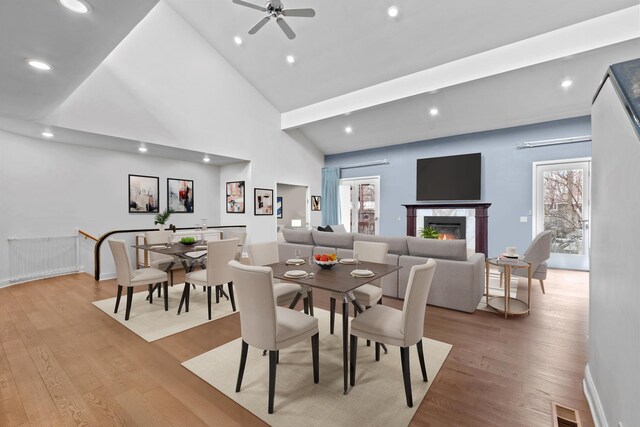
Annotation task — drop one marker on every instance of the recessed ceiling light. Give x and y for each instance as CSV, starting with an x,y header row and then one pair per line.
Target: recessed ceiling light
x,y
566,83
39,65
393,11
206,159
77,6
238,40
348,129
47,134
142,149
291,59
433,111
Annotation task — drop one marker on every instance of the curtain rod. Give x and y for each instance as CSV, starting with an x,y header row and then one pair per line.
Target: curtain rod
x,y
558,141
365,164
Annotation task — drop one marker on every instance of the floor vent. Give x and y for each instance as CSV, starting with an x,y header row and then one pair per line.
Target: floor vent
x,y
565,417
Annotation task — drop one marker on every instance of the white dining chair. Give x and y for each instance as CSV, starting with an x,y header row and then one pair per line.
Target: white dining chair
x,y
261,254
371,293
236,234
161,261
268,327
129,278
216,275
402,328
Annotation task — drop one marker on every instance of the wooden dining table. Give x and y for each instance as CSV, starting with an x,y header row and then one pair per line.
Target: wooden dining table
x,y
339,280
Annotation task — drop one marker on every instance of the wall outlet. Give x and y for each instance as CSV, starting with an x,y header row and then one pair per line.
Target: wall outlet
x,y
524,219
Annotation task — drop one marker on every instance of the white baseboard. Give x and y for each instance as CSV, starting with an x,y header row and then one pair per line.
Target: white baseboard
x,y
107,276
591,394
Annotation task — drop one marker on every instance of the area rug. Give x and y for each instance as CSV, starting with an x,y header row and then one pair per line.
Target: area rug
x,y
378,398
495,290
152,323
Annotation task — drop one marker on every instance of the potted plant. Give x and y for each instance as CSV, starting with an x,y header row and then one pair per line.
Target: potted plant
x,y
428,233
162,217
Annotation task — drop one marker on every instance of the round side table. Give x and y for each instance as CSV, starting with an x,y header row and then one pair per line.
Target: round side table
x,y
506,304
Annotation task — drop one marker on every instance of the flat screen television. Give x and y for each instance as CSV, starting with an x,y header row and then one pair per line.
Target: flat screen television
x,y
449,178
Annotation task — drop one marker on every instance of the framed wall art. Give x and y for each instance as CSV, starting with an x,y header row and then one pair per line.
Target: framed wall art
x,y
263,201
180,195
144,194
235,197
279,207
315,203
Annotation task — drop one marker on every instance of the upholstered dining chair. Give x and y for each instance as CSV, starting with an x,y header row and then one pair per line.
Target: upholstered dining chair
x,y
370,293
537,254
157,260
236,234
126,277
217,273
268,327
261,254
394,327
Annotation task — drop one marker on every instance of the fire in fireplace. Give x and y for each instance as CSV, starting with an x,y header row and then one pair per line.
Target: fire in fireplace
x,y
448,227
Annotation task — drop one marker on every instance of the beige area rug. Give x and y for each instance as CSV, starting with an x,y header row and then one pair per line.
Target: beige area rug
x,y
377,399
152,323
495,290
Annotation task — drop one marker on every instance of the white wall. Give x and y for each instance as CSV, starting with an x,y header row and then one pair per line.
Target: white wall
x,y
187,95
612,377
50,189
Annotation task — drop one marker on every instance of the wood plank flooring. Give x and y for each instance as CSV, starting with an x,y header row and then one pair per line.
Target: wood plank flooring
x,y
64,362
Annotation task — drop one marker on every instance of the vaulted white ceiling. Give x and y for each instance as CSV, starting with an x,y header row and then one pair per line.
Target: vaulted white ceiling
x,y
343,55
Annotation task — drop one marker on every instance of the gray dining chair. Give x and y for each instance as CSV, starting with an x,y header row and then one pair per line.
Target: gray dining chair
x,y
266,326
402,328
129,278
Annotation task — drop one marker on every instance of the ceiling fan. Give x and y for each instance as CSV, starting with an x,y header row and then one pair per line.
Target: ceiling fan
x,y
275,8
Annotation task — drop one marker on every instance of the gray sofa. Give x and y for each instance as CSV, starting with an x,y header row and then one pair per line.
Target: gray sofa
x,y
458,282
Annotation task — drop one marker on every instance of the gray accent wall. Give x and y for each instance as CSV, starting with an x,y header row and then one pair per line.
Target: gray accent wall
x,y
507,173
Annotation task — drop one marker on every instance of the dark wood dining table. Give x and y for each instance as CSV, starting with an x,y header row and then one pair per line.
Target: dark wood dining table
x,y
339,280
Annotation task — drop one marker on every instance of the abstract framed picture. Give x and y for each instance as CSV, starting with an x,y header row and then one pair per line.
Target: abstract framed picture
x,y
180,195
144,194
279,207
315,203
262,201
235,197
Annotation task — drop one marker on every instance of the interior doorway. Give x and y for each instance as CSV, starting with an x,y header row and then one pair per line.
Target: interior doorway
x,y
290,206
562,193
360,204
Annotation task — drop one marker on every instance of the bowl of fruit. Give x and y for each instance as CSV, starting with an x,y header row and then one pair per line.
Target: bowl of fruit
x,y
188,241
326,261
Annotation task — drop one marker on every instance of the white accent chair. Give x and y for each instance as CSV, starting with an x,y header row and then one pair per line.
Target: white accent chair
x,y
404,328
266,326
371,293
129,278
217,273
537,254
285,293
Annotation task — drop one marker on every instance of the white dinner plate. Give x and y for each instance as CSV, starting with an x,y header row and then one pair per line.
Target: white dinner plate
x,y
159,247
295,274
348,261
362,273
295,261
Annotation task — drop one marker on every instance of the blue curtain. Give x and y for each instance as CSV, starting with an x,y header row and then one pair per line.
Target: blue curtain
x,y
330,196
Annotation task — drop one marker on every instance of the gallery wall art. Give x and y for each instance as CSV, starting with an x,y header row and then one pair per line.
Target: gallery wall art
x,y
144,194
180,195
263,201
235,197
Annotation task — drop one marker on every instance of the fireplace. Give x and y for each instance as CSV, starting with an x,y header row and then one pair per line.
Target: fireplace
x,y
448,227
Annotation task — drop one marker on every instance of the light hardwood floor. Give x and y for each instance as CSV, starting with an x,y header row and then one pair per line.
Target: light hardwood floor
x,y
64,362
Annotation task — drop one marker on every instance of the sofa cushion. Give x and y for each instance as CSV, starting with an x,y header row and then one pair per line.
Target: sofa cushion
x,y
302,237
332,240
397,245
440,249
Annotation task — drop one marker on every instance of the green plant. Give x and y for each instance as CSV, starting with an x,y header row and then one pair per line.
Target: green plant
x,y
163,217
428,233
188,240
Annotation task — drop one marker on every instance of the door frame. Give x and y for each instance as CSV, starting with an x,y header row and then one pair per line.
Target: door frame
x,y
534,195
378,197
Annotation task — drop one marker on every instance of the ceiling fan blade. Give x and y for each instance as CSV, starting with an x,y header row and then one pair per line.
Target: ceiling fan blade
x,y
286,28
305,13
251,5
259,25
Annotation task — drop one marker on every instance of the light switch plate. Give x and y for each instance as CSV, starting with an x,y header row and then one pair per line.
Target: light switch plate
x,y
524,219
